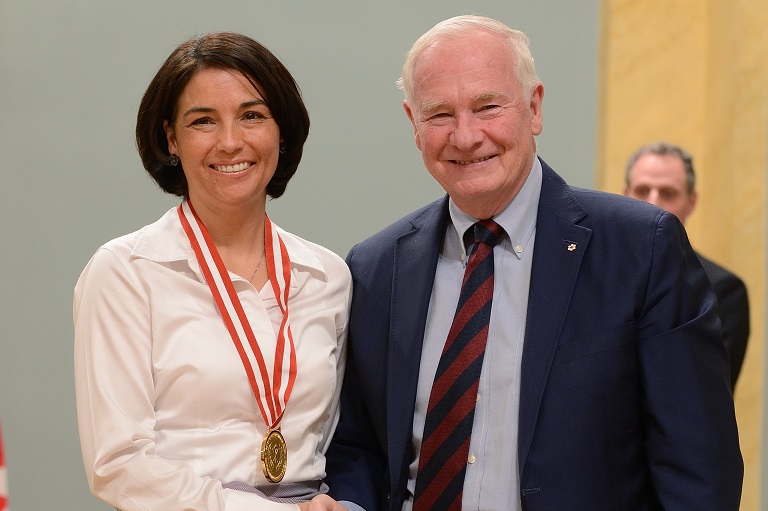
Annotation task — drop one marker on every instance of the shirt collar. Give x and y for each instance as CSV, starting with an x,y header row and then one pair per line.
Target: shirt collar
x,y
518,218
165,241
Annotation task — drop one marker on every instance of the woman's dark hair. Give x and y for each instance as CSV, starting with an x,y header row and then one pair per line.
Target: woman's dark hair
x,y
223,50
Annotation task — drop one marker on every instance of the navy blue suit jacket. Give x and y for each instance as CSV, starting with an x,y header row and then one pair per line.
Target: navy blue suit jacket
x,y
625,401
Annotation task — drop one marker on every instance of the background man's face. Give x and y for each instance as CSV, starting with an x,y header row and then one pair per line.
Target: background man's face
x,y
661,181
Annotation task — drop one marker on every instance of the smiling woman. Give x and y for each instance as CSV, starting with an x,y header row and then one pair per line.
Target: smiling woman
x,y
217,316
240,55
227,142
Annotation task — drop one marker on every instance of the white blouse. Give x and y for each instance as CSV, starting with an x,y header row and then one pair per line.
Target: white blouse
x,y
165,411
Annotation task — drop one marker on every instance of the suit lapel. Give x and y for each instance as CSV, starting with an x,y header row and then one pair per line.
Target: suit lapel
x,y
415,262
559,247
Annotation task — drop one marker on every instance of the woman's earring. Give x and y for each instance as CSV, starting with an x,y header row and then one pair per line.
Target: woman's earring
x,y
282,149
174,160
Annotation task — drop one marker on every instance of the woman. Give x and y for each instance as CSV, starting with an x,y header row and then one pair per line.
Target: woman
x,y
209,344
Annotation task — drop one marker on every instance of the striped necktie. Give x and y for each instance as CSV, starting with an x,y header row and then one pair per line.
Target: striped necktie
x,y
451,410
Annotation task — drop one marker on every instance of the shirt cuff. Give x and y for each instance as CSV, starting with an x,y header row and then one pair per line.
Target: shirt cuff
x,y
351,505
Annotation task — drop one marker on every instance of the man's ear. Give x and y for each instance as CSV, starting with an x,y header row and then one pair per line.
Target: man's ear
x,y
537,117
411,118
693,197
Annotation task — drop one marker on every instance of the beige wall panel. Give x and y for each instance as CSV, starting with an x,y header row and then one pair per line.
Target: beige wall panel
x,y
695,73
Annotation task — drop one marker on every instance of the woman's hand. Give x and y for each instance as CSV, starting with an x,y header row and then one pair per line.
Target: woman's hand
x,y
322,503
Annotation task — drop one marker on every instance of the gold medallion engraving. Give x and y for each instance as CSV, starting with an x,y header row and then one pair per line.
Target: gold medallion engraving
x,y
274,456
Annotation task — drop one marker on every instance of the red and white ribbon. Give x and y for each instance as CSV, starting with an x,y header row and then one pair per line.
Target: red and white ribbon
x,y
271,394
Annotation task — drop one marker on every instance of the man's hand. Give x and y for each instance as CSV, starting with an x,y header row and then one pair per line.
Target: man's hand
x,y
322,503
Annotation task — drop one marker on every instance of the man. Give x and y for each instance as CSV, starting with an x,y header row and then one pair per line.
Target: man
x,y
603,382
662,174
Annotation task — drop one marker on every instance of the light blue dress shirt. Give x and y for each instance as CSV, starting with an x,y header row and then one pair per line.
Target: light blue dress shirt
x,y
492,481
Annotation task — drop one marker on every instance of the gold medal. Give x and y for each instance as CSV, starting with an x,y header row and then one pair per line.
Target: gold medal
x,y
274,456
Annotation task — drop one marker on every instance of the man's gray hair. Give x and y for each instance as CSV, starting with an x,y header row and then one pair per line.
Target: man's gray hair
x,y
664,149
456,26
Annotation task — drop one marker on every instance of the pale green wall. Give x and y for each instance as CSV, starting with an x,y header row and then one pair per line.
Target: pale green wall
x,y
71,76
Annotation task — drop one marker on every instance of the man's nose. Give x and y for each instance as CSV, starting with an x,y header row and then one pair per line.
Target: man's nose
x,y
467,132
654,198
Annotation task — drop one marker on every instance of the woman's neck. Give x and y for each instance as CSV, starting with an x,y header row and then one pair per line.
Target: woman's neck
x,y
238,233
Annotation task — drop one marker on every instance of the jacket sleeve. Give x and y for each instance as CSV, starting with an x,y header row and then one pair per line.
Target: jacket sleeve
x,y
355,461
692,444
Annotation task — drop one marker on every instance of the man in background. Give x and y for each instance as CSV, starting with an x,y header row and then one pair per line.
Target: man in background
x,y
662,174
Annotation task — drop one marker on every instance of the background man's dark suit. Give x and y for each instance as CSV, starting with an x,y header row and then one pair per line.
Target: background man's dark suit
x,y
733,309
625,400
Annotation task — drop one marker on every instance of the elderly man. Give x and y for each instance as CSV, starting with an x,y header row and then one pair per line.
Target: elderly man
x,y
521,344
662,174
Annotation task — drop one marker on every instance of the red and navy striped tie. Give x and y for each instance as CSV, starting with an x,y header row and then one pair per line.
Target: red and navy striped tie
x,y
448,424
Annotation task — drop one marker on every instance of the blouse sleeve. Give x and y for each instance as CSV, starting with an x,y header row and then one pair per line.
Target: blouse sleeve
x,y
342,322
115,402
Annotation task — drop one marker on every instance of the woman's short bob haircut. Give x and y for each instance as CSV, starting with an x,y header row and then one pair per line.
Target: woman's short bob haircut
x,y
224,50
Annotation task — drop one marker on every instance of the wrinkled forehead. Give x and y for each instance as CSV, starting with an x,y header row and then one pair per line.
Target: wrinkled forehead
x,y
464,59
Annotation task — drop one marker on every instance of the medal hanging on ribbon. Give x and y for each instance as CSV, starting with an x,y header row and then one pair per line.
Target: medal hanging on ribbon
x,y
273,392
